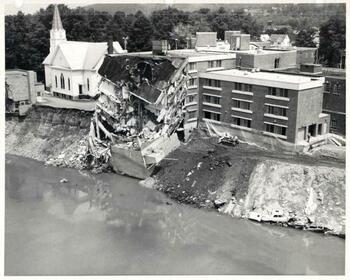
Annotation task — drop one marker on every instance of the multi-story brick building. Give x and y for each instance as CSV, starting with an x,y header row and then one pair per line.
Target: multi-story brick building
x,y
334,99
272,104
334,94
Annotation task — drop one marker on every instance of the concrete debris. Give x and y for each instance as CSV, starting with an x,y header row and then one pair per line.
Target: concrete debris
x,y
140,106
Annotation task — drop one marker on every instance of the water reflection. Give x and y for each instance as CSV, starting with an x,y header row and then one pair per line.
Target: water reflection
x,y
107,224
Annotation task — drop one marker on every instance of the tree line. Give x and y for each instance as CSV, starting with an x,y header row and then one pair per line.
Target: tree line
x,y
27,35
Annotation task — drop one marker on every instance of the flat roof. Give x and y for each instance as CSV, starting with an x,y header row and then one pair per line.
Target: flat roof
x,y
269,79
263,51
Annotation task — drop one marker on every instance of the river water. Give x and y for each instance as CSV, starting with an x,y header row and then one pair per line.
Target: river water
x,y
51,228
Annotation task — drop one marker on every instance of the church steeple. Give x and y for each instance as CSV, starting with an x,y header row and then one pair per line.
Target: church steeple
x,y
57,33
56,22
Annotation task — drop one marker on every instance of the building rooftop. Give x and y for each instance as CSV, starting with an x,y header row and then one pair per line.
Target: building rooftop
x,y
270,79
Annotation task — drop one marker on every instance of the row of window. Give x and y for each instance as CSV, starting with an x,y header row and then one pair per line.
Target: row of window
x,y
282,92
336,88
211,64
275,129
211,99
245,105
243,87
276,110
240,104
63,82
212,83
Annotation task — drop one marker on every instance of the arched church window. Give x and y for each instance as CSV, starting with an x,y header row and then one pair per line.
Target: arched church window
x,y
62,81
88,84
68,84
56,81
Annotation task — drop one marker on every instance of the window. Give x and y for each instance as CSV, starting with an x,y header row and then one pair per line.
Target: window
x,y
56,81
277,62
191,114
327,87
247,87
192,65
62,81
242,122
241,104
191,82
336,89
88,84
283,92
276,110
211,116
333,123
68,84
212,83
190,98
38,93
214,63
238,86
211,99
276,129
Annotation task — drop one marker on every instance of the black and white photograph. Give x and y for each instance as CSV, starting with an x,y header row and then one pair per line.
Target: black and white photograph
x,y
174,138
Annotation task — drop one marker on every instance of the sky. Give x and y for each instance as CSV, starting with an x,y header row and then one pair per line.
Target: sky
x,y
30,7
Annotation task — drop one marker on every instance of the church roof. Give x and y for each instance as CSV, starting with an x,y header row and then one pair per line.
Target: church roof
x,y
82,55
56,21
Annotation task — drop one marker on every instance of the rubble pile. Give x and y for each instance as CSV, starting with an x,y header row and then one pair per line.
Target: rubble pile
x,y
140,100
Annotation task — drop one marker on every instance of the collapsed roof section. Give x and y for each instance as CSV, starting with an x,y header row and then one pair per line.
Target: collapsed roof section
x,y
145,77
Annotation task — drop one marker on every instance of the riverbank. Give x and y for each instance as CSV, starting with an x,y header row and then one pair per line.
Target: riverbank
x,y
51,135
305,191
243,181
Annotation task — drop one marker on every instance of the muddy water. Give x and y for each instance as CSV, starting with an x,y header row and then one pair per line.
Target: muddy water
x,y
51,229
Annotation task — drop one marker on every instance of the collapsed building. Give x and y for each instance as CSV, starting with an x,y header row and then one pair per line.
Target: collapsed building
x,y
139,112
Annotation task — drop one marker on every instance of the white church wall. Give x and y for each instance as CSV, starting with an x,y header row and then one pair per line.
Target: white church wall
x,y
48,79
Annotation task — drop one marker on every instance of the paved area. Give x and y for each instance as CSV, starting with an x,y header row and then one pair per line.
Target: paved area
x,y
68,104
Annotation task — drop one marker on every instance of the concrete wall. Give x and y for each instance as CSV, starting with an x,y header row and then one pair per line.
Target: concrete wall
x,y
266,60
306,55
22,85
204,39
309,106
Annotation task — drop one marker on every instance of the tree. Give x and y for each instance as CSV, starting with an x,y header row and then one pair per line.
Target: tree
x,y
332,40
305,38
141,34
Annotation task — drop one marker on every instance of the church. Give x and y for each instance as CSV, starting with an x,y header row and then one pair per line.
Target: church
x,y
71,66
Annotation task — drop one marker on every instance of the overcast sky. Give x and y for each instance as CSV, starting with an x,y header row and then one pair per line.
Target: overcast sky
x,y
28,8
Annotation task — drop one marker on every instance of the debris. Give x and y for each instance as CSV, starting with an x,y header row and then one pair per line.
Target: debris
x,y
63,180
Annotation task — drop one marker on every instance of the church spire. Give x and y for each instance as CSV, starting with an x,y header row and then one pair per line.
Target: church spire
x,y
56,22
57,33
